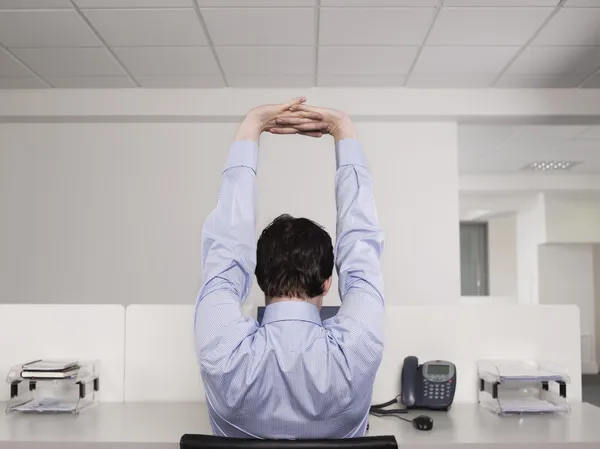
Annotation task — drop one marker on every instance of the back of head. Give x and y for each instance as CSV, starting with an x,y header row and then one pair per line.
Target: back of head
x,y
294,258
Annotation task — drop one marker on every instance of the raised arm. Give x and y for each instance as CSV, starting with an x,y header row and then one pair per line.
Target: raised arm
x,y
359,242
228,243
228,238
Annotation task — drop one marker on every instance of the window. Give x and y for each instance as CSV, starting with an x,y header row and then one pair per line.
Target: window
x,y
474,271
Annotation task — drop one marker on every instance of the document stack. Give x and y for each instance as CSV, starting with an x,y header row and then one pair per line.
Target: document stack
x,y
50,386
523,386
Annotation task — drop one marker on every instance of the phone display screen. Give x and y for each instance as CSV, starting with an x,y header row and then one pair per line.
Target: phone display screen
x,y
438,369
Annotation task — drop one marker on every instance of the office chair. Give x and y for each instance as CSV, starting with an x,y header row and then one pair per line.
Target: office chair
x,y
189,441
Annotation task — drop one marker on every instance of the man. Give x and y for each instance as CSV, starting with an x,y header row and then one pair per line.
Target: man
x,y
293,376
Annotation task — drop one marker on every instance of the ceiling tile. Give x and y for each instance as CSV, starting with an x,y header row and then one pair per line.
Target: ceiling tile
x,y
525,154
365,60
572,26
592,133
467,81
582,4
530,135
133,3
592,83
588,157
482,138
267,60
374,26
556,61
167,61
580,145
51,28
11,68
70,62
91,82
147,27
187,82
269,81
500,3
256,3
539,81
463,60
34,4
486,26
496,162
586,167
361,80
21,83
378,3
260,27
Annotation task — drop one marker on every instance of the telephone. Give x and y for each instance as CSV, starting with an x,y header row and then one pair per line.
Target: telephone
x,y
428,386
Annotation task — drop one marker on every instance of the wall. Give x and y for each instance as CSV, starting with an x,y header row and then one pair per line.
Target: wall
x,y
530,234
596,249
572,218
502,254
566,276
112,212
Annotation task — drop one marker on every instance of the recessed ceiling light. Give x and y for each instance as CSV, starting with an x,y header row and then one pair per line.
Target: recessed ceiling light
x,y
550,165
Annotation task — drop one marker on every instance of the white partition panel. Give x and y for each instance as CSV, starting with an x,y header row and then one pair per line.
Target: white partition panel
x,y
161,362
83,332
465,334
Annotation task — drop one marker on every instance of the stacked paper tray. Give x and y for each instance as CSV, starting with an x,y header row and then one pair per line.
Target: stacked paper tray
x,y
523,386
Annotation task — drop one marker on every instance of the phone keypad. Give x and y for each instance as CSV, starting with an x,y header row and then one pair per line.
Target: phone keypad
x,y
438,391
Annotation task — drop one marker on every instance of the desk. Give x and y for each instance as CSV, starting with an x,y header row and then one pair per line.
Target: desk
x,y
159,426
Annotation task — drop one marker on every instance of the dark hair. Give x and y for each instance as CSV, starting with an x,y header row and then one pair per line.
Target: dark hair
x,y
294,258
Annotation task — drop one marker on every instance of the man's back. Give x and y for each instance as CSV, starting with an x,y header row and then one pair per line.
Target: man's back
x,y
293,376
297,380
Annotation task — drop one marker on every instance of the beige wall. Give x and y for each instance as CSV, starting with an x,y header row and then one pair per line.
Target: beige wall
x,y
112,213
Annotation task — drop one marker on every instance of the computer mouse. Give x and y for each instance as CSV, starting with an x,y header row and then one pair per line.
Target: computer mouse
x,y
423,422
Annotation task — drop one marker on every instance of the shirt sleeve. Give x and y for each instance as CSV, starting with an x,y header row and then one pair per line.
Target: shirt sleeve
x,y
228,258
358,251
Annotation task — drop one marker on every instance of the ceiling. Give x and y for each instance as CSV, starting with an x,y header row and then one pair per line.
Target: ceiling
x,y
277,43
507,149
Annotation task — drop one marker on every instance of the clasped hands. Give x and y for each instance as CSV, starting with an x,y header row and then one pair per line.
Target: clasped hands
x,y
295,117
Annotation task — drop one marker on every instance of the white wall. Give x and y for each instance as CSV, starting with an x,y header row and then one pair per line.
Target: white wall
x,y
112,213
502,254
530,234
596,249
572,218
566,276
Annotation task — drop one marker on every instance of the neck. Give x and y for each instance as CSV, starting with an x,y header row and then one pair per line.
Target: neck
x,y
316,301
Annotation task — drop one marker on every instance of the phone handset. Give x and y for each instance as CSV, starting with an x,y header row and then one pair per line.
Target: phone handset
x,y
409,381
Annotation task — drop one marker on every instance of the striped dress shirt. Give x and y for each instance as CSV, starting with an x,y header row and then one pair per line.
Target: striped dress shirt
x,y
292,376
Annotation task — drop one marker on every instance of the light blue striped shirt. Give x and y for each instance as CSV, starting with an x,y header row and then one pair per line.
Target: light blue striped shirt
x,y
293,376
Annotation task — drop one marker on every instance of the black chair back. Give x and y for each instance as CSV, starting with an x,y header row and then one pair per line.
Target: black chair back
x,y
189,441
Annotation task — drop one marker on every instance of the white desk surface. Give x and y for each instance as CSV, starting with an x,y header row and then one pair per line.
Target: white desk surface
x,y
160,426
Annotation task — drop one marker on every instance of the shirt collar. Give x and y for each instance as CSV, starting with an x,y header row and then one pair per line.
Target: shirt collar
x,y
291,311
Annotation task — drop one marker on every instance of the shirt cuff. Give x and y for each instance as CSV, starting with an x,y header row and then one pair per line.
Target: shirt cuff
x,y
349,152
243,153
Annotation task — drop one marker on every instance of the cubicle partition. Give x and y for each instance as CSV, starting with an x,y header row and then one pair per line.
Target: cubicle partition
x,y
465,334
93,332
146,352
160,362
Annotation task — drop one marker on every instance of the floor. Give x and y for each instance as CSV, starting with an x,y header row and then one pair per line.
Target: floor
x,y
591,389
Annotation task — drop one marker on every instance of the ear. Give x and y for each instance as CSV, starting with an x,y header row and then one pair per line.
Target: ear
x,y
326,286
